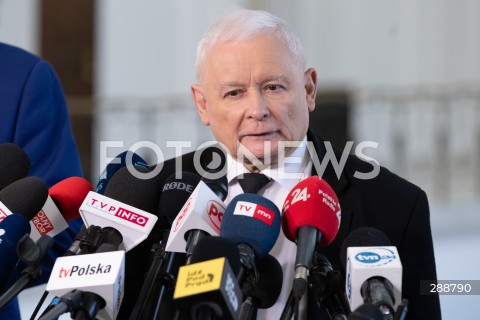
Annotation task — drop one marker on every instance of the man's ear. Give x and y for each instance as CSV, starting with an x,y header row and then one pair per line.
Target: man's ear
x,y
310,80
200,102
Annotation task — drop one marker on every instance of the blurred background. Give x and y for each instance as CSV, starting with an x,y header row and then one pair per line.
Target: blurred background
x,y
405,74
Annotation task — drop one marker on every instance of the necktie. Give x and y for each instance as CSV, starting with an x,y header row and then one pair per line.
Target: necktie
x,y
253,182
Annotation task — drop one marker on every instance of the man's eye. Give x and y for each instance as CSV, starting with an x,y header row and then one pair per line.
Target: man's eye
x,y
232,93
273,87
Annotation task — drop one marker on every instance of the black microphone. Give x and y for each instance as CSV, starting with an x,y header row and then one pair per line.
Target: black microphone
x,y
326,287
263,290
26,196
14,164
155,297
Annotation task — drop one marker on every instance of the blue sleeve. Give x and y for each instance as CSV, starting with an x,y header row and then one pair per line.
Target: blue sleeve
x,y
43,130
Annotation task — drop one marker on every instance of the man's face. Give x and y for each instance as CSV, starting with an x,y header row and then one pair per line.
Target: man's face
x,y
252,92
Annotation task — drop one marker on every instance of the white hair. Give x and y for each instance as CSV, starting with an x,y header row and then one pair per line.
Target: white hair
x,y
244,24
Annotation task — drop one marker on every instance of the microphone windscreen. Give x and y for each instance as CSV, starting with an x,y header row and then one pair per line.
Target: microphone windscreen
x,y
175,192
209,248
134,189
68,195
25,196
14,164
269,284
120,161
312,202
363,237
253,220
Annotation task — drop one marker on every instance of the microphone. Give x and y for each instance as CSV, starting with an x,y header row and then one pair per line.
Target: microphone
x,y
200,216
326,286
25,196
153,299
263,292
12,230
14,164
126,205
63,202
120,161
311,218
374,271
208,289
253,223
98,281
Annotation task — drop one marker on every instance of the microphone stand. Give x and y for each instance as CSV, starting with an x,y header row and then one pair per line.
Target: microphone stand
x,y
31,253
149,302
325,285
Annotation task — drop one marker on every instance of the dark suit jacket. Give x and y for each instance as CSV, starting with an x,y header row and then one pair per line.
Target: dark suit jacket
x,y
388,203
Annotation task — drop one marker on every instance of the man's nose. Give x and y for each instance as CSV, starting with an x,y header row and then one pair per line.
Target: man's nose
x,y
258,107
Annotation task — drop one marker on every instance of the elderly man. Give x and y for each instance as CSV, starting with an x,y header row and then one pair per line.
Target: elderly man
x,y
255,93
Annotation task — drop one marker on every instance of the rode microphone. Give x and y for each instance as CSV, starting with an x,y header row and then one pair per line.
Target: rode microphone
x,y
253,223
155,297
208,288
175,193
98,279
14,164
62,205
126,206
25,196
120,161
373,271
201,215
311,218
262,292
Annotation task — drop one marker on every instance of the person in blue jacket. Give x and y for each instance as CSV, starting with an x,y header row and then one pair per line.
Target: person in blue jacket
x,y
34,116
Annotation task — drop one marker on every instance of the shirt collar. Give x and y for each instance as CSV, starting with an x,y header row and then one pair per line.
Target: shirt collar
x,y
289,172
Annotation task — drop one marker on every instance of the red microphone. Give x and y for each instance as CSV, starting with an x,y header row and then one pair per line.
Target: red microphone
x,y
311,217
69,194
62,205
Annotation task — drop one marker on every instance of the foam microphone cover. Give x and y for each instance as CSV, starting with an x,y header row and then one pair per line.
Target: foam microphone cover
x,y
312,202
134,189
69,194
210,248
267,289
175,192
253,220
14,164
363,237
25,196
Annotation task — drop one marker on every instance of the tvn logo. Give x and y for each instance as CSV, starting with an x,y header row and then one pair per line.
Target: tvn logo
x,y
119,212
78,271
255,211
375,257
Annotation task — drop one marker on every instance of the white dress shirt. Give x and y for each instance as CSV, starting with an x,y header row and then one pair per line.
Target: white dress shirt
x,y
295,168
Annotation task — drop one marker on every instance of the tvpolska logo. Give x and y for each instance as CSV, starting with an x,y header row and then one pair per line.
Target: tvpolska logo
x,y
89,269
375,257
